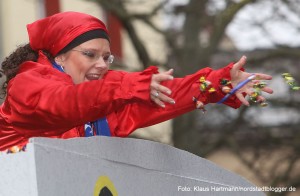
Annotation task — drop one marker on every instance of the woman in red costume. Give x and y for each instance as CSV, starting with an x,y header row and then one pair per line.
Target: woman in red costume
x,y
60,86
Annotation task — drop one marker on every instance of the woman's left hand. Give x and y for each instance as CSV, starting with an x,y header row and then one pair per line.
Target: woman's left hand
x,y
238,76
160,94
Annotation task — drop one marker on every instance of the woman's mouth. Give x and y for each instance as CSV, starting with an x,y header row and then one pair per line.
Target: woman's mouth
x,y
93,76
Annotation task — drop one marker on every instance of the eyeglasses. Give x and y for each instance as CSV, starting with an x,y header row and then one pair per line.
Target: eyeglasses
x,y
93,56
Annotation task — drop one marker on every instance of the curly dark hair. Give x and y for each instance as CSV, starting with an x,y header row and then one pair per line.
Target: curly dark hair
x,y
11,64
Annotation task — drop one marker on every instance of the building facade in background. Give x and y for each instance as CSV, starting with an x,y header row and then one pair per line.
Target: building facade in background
x,y
16,14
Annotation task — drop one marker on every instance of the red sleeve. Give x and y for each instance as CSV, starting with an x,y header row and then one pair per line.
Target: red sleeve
x,y
44,99
214,77
140,114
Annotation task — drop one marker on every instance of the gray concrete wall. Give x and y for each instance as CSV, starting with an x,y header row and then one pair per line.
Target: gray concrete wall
x,y
132,167
18,175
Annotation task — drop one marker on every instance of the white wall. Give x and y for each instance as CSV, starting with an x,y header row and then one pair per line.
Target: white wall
x,y
15,14
84,6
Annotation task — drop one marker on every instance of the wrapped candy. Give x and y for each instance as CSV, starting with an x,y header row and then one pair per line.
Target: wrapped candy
x,y
226,89
199,104
258,85
15,149
225,82
211,90
224,85
290,81
264,104
204,85
254,95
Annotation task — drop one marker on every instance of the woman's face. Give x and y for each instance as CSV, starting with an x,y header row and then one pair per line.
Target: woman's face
x,y
86,62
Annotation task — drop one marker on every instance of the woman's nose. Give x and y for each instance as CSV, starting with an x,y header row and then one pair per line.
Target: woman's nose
x,y
100,63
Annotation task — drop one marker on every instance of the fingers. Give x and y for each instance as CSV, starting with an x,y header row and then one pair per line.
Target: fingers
x,y
163,76
236,72
241,97
260,99
253,94
160,88
238,65
261,85
267,90
160,93
260,76
170,72
160,99
158,102
244,101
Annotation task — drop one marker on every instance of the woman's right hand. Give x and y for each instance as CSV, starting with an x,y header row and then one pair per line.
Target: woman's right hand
x,y
159,93
238,76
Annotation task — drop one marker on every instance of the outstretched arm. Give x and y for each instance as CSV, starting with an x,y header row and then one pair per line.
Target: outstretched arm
x,y
137,115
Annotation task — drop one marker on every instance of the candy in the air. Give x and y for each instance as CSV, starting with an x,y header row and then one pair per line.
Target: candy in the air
x,y
254,95
290,81
259,85
263,104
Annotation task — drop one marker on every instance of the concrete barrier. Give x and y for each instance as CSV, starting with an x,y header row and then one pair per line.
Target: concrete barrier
x,y
103,166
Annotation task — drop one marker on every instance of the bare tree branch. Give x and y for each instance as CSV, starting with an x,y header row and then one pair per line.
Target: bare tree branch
x,y
117,8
